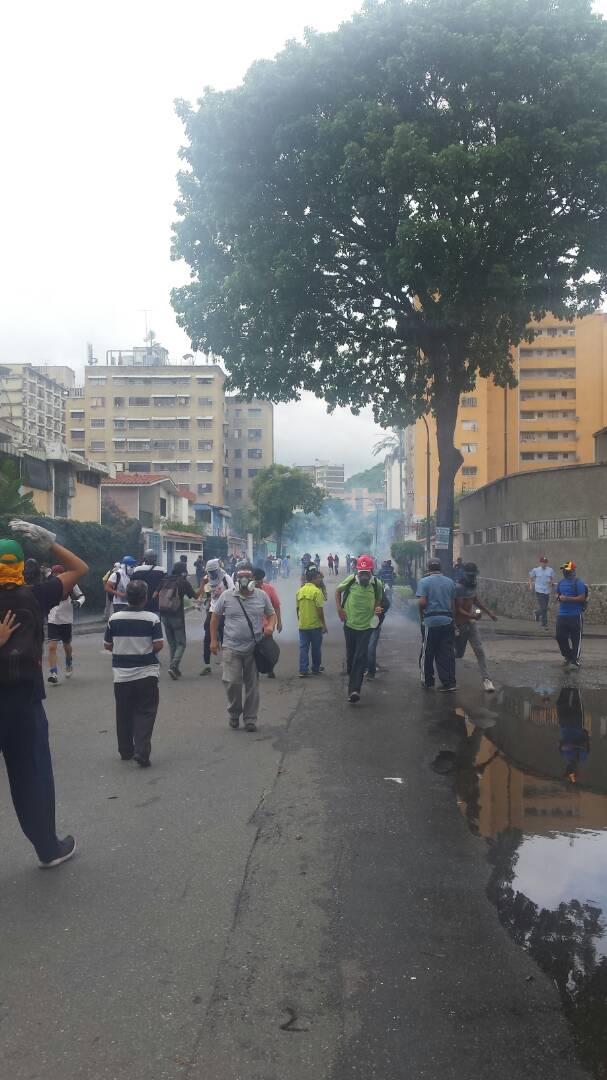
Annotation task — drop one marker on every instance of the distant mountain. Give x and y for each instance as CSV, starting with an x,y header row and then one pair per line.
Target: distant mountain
x,y
372,478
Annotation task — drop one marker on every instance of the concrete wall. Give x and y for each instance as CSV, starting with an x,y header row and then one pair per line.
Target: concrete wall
x,y
576,494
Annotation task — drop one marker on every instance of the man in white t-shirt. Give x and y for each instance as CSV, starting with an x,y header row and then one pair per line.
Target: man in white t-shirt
x,y
60,625
541,580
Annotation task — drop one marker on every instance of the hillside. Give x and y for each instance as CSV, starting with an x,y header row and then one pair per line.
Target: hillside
x,y
372,478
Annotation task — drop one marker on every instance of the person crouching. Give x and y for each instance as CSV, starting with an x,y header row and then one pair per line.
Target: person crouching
x,y
134,637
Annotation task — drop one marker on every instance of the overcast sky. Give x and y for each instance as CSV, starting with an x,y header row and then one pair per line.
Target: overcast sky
x,y
90,144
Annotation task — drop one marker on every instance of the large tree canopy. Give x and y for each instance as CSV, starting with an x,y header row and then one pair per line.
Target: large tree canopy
x,y
277,492
377,213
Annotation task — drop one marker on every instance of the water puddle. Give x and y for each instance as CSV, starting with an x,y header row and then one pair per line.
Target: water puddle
x,y
530,775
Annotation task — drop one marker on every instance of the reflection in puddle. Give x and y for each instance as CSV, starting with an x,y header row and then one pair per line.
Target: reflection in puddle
x,y
533,783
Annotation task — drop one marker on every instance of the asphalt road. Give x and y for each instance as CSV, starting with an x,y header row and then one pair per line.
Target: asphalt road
x,y
273,906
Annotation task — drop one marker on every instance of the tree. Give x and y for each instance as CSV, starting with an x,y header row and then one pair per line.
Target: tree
x,y
405,553
377,213
372,479
12,502
277,492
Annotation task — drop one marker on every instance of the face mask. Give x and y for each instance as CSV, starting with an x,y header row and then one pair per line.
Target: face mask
x,y
246,585
364,578
470,580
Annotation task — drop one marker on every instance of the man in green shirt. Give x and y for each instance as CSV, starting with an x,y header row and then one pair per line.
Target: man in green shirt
x,y
360,603
311,622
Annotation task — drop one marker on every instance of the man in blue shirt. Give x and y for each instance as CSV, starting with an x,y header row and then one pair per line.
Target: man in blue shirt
x,y
541,579
572,593
436,594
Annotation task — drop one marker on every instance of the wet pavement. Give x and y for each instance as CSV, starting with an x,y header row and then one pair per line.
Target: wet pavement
x,y
530,776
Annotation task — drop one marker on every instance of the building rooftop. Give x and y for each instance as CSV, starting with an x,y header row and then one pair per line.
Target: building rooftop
x,y
129,479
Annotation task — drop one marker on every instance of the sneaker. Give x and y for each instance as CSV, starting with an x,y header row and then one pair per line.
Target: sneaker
x,y
303,674
427,686
53,678
271,675
173,674
144,763
127,757
234,721
447,689
319,672
488,686
250,725
566,663
354,697
67,847
206,670
69,671
370,677
575,663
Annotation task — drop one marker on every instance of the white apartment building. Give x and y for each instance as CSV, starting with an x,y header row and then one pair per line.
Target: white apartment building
x,y
32,402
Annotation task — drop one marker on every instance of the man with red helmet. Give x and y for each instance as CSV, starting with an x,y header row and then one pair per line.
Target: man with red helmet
x,y
361,602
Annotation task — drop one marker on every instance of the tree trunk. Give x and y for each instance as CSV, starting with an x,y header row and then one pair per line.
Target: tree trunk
x,y
449,462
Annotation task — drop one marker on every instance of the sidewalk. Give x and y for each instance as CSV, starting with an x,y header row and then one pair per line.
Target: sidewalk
x,y
527,628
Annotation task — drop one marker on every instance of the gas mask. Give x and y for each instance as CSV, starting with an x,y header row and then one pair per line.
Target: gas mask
x,y
246,583
364,577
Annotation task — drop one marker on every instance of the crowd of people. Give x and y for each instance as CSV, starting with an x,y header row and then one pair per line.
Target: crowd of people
x,y
242,612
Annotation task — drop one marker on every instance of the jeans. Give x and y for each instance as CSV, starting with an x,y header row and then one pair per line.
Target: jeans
x,y
136,708
541,612
206,646
438,648
569,629
469,632
310,639
372,653
27,756
240,673
357,650
174,628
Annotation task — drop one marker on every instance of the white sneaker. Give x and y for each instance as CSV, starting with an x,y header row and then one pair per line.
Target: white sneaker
x,y
488,686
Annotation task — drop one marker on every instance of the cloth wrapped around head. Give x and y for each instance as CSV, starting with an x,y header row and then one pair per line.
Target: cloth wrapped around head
x,y
12,562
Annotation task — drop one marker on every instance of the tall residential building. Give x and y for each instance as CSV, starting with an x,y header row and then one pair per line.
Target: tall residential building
x,y
249,445
33,403
547,420
330,478
143,415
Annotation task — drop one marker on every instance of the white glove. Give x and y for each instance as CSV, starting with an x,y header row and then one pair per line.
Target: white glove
x,y
34,533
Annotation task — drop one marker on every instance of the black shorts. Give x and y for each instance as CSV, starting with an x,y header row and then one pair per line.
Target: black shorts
x,y
60,632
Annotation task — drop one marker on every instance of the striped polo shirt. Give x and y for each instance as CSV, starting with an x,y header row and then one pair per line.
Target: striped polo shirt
x,y
132,634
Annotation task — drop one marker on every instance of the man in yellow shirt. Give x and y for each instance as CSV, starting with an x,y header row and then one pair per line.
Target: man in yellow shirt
x,y
311,621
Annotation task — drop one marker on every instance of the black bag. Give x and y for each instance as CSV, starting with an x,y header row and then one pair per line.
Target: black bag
x,y
266,651
21,657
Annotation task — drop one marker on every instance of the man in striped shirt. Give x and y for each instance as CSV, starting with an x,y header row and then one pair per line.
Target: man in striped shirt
x,y
134,637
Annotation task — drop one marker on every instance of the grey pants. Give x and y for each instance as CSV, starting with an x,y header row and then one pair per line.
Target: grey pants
x,y
541,613
470,632
240,671
174,628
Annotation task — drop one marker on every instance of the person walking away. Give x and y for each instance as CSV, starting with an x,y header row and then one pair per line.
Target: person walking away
x,y
330,563
215,583
309,602
134,638
118,580
541,581
458,570
268,567
275,602
153,576
336,564
572,595
360,603
317,561
286,566
240,675
175,588
436,595
468,611
109,596
199,570
183,559
23,725
60,626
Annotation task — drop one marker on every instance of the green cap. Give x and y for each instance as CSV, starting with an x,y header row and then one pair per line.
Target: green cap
x,y
10,552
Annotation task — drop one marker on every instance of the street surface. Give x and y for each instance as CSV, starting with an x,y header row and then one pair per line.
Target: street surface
x,y
277,906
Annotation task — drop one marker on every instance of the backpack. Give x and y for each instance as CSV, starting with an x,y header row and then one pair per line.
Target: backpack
x,y
21,657
169,597
585,603
378,589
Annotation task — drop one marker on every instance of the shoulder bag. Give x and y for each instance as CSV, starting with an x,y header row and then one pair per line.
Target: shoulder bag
x,y
266,651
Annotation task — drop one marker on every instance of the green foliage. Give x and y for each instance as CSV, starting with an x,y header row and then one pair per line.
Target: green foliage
x,y
99,545
12,503
377,213
182,526
277,492
404,553
372,479
242,521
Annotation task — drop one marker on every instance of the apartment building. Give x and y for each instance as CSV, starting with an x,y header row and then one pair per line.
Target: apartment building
x,y
330,478
141,414
547,420
32,402
249,446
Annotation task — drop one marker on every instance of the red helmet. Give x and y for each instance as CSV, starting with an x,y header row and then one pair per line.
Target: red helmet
x,y
365,563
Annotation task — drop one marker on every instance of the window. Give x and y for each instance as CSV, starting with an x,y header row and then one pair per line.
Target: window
x,y
119,425
163,507
119,444
171,466
183,399
98,403
139,466
204,489
207,402
163,401
138,444
255,454
183,444
255,433
469,403
551,353
118,402
143,422
469,470
91,479
205,444
547,373
139,401
77,433
254,412
511,533
238,454
237,433
469,425
552,331
204,424
237,493
558,529
466,539
97,423
163,444
77,414
491,536
469,448
204,466
237,474
97,445
206,380
253,472
97,380
477,536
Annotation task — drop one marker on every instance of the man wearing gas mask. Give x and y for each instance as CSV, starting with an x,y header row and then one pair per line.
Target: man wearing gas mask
x,y
361,602
468,610
243,609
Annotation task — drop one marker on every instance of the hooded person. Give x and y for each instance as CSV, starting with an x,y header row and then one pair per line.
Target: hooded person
x,y
173,591
153,576
118,580
215,582
361,602
23,725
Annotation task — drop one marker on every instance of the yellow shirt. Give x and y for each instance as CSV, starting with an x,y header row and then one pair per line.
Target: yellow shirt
x,y
309,599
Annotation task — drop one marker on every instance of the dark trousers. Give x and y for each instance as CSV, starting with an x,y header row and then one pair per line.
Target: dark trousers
x,y
206,647
541,612
357,649
310,640
136,708
24,745
438,649
174,629
372,655
569,629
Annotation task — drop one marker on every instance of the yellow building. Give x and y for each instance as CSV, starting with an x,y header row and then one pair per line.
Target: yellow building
x,y
63,485
547,420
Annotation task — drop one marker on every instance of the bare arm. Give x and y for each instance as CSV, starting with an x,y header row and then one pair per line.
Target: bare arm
x,y
340,610
214,625
75,568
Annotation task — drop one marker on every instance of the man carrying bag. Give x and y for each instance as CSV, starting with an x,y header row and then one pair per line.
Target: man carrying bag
x,y
248,647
